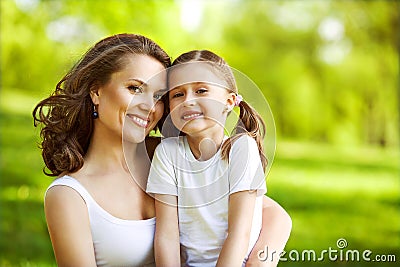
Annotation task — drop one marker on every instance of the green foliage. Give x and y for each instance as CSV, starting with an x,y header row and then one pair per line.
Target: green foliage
x,y
332,90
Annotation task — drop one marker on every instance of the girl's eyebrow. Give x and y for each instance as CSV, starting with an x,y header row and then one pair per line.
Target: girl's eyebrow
x,y
175,88
193,83
199,83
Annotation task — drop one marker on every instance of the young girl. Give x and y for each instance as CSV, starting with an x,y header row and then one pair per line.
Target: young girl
x,y
208,187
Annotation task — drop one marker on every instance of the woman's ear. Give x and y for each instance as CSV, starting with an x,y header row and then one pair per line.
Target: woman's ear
x,y
94,95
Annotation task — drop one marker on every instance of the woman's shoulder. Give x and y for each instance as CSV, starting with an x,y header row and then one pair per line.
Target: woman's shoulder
x,y
62,193
61,198
67,189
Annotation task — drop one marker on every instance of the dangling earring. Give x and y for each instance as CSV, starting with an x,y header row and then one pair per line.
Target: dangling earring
x,y
95,113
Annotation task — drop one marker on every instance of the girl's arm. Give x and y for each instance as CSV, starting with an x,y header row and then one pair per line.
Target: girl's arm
x,y
275,231
69,228
240,217
166,241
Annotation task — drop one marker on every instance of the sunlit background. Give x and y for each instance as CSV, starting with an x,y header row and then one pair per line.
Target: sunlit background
x,y
329,70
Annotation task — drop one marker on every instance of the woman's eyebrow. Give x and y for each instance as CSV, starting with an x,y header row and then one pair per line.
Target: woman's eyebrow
x,y
162,90
142,83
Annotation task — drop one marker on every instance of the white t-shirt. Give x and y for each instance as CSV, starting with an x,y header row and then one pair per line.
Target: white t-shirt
x,y
116,242
203,189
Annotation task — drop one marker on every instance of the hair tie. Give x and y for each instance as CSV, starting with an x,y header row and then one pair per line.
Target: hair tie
x,y
239,99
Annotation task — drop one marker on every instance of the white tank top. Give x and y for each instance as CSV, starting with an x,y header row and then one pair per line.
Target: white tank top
x,y
116,242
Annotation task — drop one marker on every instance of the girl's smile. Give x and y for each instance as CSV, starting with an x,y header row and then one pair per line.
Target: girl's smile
x,y
191,115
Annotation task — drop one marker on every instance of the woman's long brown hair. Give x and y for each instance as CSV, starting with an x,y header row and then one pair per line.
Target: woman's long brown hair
x,y
66,116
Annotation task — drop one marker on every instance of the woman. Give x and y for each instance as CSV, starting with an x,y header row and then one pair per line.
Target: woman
x,y
97,215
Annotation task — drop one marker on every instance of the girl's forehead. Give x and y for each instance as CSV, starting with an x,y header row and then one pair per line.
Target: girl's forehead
x,y
194,72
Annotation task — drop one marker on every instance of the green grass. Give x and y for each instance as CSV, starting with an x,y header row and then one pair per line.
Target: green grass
x,y
330,192
334,192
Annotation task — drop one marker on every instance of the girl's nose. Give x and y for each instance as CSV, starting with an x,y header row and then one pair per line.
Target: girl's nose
x,y
190,100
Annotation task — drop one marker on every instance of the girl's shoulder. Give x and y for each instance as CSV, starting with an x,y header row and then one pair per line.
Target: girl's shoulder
x,y
170,146
246,141
172,142
243,147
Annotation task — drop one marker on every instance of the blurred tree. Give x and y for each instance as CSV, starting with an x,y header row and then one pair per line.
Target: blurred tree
x,y
328,68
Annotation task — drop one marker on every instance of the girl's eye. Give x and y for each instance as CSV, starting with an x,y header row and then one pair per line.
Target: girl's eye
x,y
136,89
201,90
178,94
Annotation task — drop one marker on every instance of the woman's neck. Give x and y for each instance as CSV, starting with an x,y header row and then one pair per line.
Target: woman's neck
x,y
107,154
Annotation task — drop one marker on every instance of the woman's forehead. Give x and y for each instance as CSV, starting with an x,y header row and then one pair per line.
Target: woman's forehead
x,y
146,69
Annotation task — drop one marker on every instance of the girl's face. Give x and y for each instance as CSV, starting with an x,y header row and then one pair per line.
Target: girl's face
x,y
130,100
199,101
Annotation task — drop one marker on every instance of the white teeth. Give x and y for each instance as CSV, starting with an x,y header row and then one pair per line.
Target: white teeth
x,y
186,117
139,121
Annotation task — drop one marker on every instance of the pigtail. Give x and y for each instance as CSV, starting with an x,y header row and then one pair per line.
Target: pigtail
x,y
250,123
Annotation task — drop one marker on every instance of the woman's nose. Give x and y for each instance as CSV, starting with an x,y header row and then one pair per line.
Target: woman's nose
x,y
147,103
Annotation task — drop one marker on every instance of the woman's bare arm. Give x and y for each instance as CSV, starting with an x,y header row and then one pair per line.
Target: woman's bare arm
x,y
240,217
275,232
68,223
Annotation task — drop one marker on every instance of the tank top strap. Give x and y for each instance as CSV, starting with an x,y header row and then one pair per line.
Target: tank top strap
x,y
74,184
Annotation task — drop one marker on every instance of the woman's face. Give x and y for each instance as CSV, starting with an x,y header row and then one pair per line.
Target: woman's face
x,y
129,102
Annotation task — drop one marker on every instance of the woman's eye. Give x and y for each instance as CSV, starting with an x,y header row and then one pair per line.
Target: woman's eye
x,y
136,89
157,96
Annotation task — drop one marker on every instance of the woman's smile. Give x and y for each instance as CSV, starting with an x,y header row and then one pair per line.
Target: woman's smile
x,y
139,120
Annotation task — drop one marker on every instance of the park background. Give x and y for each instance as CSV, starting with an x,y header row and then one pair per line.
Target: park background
x,y
329,70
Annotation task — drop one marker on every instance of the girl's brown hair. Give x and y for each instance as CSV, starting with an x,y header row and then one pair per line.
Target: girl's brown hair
x,y
249,122
66,116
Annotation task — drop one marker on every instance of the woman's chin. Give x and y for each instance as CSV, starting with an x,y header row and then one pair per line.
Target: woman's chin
x,y
134,138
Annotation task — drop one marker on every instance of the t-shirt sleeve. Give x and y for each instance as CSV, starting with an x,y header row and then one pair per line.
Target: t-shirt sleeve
x,y
162,178
245,167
